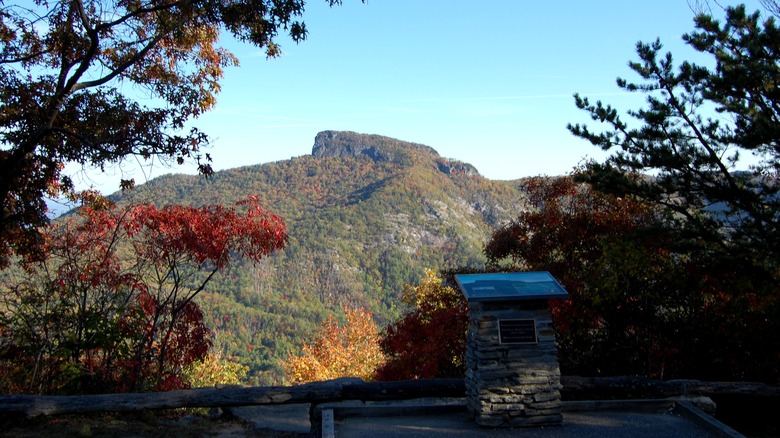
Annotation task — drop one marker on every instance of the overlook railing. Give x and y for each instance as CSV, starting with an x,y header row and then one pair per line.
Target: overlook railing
x,y
574,388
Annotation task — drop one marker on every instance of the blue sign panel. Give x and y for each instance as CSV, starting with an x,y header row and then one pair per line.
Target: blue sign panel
x,y
509,286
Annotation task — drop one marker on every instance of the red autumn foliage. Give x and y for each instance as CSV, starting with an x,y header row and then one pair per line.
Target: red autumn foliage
x,y
640,302
111,306
601,249
430,341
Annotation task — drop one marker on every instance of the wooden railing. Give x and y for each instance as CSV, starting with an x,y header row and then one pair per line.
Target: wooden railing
x,y
574,388
232,396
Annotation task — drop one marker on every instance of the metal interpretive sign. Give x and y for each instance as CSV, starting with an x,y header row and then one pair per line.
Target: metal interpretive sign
x,y
517,331
510,286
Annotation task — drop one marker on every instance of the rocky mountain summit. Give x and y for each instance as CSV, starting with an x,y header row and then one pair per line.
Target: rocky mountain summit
x,y
343,144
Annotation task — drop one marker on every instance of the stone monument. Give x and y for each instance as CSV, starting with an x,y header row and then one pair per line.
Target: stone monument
x,y
512,372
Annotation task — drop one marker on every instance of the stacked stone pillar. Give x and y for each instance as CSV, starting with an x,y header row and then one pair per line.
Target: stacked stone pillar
x,y
512,373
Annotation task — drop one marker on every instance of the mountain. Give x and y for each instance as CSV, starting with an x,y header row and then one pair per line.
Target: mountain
x,y
366,214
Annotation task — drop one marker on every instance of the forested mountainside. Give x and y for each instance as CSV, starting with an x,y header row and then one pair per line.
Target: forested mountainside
x,y
366,214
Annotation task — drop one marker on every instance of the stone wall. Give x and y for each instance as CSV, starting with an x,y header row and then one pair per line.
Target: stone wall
x,y
510,384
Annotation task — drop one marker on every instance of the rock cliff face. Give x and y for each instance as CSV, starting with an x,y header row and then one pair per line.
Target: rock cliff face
x,y
349,144
450,166
345,144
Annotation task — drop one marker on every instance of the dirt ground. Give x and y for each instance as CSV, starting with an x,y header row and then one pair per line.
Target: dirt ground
x,y
135,425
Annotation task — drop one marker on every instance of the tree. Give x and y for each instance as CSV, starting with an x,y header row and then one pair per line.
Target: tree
x,y
703,7
67,68
700,125
429,341
215,370
600,248
637,306
351,350
772,6
111,307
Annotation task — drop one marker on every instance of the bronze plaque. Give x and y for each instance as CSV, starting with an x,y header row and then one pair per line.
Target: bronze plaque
x,y
517,331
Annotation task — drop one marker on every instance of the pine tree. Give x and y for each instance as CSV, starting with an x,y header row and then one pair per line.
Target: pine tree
x,y
686,150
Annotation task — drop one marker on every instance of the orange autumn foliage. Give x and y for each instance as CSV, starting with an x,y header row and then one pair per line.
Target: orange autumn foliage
x,y
351,350
77,78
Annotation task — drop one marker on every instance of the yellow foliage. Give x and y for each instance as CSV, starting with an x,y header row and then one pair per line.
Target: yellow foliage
x,y
215,370
348,351
430,293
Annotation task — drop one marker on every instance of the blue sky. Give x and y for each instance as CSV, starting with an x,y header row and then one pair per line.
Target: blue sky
x,y
488,83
